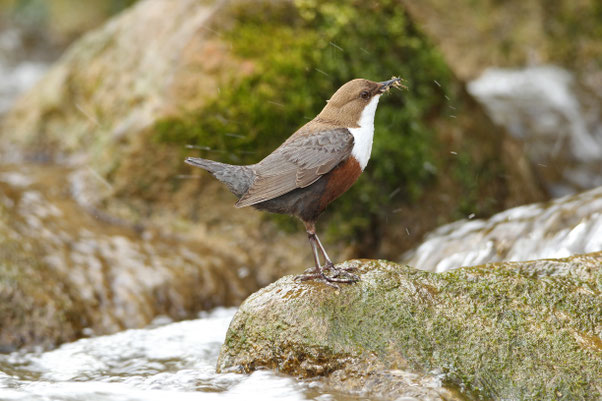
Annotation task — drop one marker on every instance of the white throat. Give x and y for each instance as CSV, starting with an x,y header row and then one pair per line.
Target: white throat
x,y
362,136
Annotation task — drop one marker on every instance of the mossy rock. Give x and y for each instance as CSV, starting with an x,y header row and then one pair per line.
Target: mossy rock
x,y
66,267
521,330
236,78
31,311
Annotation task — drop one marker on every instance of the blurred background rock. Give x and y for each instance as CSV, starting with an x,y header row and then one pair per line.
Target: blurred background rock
x,y
538,71
503,109
33,33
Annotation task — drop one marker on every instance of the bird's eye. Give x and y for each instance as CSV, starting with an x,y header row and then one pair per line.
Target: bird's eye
x,y
365,95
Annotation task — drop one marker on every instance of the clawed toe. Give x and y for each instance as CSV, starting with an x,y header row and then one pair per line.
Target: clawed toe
x,y
338,276
342,272
342,276
317,277
311,270
308,276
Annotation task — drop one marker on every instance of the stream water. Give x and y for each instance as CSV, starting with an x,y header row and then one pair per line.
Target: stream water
x,y
166,360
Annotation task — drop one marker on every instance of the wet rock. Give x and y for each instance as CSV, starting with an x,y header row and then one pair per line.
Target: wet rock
x,y
524,330
536,70
559,228
540,106
119,91
68,271
36,305
33,35
513,33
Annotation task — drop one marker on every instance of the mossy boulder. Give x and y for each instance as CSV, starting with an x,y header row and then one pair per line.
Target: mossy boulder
x,y
69,270
523,330
232,80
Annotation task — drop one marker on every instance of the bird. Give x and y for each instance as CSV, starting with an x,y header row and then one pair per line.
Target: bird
x,y
314,166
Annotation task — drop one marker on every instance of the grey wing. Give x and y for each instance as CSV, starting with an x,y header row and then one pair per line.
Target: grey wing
x,y
298,163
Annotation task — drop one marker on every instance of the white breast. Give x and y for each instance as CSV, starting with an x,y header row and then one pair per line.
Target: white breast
x,y
362,136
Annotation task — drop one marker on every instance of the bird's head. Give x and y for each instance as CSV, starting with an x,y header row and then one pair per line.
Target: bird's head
x,y
350,100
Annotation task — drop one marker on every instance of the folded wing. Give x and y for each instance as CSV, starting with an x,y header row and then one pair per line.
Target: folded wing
x,y
298,163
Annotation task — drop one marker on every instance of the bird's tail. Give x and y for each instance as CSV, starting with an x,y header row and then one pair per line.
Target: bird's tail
x,y
238,179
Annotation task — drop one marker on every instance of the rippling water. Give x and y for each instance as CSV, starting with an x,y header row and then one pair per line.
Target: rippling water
x,y
167,360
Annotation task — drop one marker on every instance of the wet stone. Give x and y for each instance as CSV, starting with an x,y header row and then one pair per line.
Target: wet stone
x,y
66,273
567,226
523,330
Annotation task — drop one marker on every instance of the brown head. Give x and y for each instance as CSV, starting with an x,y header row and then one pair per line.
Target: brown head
x,y
345,107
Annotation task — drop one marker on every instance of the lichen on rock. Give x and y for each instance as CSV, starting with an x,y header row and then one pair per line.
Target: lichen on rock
x,y
522,330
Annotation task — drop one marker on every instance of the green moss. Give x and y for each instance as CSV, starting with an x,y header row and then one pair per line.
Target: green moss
x,y
501,331
302,52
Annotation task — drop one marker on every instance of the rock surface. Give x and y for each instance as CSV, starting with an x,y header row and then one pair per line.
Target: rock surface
x,y
527,330
124,86
567,226
514,33
548,91
68,270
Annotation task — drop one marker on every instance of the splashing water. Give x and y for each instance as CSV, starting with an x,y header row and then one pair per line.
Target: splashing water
x,y
176,361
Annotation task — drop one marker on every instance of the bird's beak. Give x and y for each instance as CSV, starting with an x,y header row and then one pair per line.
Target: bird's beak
x,y
385,85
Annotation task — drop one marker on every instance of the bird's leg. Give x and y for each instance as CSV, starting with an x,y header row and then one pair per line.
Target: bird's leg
x,y
318,271
310,229
351,278
327,260
329,264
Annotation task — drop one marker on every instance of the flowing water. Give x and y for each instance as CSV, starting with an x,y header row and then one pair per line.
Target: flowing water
x,y
19,68
165,360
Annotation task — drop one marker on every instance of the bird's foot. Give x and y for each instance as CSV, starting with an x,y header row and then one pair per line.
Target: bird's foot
x,y
342,274
339,276
314,274
311,270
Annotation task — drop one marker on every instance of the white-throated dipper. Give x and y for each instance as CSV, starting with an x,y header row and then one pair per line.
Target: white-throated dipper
x,y
313,167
